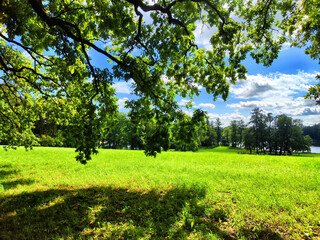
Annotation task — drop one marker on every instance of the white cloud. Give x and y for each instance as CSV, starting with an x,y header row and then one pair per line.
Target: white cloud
x,y
207,105
225,118
166,80
272,85
309,120
188,113
151,2
171,80
228,117
197,86
277,93
184,102
290,106
286,46
27,55
122,87
90,79
121,102
203,35
250,105
310,111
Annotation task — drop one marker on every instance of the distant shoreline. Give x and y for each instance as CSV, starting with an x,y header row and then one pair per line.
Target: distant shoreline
x,y
315,149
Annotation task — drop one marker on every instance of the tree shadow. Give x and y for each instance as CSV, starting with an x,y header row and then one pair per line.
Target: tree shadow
x,y
13,184
5,166
113,213
5,173
95,212
264,233
6,170
6,177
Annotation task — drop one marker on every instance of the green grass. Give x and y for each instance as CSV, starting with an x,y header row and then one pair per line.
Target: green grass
x,y
121,194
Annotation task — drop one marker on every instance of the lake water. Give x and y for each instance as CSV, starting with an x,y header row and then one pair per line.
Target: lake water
x,y
315,149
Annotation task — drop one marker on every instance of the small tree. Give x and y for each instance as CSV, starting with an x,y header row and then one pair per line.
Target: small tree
x,y
307,143
47,141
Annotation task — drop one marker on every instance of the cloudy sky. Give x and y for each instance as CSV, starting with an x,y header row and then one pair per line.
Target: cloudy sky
x,y
278,89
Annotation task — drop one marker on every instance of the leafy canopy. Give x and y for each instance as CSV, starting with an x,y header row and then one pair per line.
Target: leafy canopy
x,y
45,62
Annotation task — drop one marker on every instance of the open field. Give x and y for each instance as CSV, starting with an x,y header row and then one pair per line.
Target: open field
x,y
210,194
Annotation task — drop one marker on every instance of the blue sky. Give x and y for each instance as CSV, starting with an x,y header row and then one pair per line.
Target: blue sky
x,y
278,89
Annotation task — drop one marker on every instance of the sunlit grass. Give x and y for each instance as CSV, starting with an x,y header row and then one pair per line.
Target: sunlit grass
x,y
210,194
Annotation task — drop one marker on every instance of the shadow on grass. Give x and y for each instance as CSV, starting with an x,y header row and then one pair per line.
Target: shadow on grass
x,y
5,173
114,213
6,180
13,184
262,234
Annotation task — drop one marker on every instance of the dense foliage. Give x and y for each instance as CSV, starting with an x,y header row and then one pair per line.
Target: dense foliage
x,y
278,135
264,133
45,63
124,134
313,132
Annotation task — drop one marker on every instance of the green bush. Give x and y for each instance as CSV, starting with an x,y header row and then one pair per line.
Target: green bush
x,y
47,141
59,139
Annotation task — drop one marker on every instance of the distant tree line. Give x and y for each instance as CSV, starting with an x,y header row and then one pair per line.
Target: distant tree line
x,y
313,132
275,135
184,136
263,134
123,133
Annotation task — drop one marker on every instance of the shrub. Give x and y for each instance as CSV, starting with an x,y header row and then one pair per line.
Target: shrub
x,y
47,141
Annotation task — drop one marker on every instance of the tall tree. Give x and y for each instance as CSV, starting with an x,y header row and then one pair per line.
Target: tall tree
x,y
136,133
248,139
241,127
117,138
297,140
218,129
270,131
44,53
234,133
284,125
226,136
258,126
208,135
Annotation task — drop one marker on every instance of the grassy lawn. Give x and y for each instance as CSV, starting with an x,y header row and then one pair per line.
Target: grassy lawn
x,y
121,194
